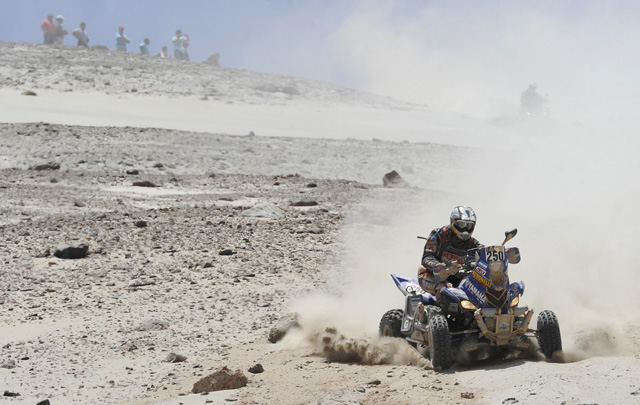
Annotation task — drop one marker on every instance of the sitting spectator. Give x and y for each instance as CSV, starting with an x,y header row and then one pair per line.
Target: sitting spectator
x,y
81,35
144,47
164,53
48,29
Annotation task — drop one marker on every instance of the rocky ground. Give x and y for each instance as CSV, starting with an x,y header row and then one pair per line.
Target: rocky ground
x,y
198,243
176,265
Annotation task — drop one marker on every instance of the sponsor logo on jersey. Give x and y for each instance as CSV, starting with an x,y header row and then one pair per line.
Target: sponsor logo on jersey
x,y
481,271
449,257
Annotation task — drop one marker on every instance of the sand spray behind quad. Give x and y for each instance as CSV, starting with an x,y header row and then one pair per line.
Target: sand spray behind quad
x,y
578,256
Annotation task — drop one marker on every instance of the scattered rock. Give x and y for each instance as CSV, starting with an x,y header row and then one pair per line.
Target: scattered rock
x,y
45,402
305,202
312,185
341,397
141,224
467,395
47,166
283,326
8,364
11,394
374,382
133,172
175,358
29,93
153,324
222,379
226,252
77,251
141,283
144,183
264,210
257,369
393,180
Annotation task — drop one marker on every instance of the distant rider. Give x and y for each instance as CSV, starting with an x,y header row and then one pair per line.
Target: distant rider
x,y
530,101
445,245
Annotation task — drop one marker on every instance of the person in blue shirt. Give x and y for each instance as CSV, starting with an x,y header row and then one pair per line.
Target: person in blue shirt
x,y
144,47
121,40
180,43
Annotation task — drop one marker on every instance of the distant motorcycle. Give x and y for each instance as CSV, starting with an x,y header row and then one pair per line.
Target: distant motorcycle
x,y
532,103
476,319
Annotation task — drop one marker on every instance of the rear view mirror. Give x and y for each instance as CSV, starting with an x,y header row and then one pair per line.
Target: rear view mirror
x,y
509,235
513,255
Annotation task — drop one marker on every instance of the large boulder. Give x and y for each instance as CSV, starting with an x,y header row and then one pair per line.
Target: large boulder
x,y
222,379
283,326
393,180
77,251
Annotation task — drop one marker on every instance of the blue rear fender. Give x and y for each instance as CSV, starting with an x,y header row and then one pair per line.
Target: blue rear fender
x,y
411,286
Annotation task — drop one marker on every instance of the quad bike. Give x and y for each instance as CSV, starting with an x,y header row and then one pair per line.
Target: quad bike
x,y
476,319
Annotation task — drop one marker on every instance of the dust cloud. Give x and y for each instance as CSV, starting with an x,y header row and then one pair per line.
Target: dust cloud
x,y
567,181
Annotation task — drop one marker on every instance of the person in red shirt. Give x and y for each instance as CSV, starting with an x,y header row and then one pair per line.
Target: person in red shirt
x,y
48,29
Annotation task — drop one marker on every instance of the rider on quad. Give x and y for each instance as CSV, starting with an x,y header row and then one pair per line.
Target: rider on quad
x,y
531,102
444,246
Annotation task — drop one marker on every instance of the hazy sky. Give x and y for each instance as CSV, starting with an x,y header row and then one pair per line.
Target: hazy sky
x,y
460,55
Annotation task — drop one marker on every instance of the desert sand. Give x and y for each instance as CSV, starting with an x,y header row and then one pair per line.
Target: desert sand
x,y
216,201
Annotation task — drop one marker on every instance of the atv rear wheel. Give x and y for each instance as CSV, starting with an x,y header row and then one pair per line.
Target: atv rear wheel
x,y
440,343
391,322
549,338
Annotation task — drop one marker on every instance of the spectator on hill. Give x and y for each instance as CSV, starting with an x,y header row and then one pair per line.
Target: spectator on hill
x,y
121,40
164,53
48,29
144,47
179,49
81,35
60,31
186,43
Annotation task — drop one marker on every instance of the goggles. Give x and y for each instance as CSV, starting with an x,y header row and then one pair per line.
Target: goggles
x,y
464,225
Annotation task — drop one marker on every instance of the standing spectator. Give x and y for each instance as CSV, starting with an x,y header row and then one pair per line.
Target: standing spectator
x,y
60,31
144,47
48,29
185,45
81,35
178,45
164,53
121,40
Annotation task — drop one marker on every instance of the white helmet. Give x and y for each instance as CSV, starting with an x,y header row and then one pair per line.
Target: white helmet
x,y
463,221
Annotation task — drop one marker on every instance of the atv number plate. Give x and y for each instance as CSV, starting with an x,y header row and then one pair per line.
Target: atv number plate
x,y
504,323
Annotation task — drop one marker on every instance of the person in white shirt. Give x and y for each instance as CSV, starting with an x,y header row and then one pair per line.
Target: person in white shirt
x,y
81,35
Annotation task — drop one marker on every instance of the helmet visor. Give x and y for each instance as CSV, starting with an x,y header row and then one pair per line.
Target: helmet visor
x,y
465,225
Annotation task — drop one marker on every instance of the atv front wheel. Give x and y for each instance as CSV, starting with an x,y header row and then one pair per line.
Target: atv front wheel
x,y
391,322
440,343
549,338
